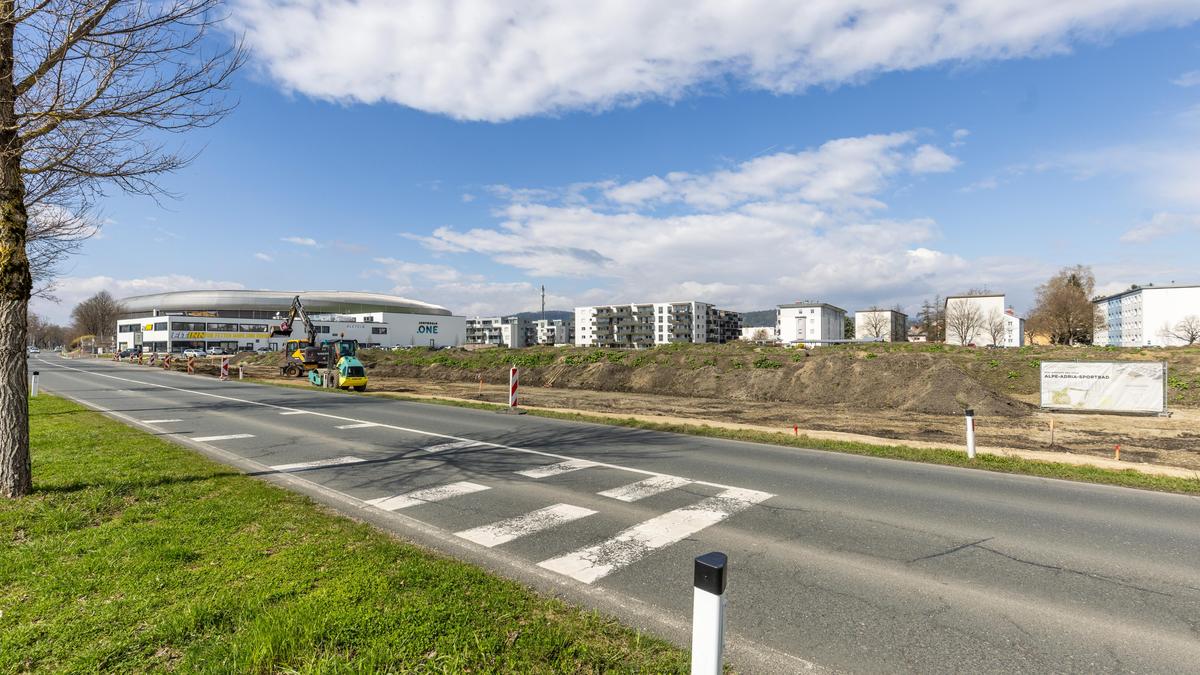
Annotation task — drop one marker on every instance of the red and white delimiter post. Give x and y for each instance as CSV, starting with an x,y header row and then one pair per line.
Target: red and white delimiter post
x,y
513,380
225,368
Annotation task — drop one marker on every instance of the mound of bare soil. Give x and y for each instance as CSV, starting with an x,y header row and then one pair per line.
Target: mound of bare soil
x,y
908,382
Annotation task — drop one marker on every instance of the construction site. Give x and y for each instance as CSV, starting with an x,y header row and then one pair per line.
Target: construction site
x,y
882,393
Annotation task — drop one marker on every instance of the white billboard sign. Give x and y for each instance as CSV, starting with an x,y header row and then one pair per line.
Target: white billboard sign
x,y
1105,386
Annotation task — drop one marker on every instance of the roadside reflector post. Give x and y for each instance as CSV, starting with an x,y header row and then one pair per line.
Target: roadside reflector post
x,y
224,368
708,613
239,371
33,384
514,378
1117,453
970,434
1052,432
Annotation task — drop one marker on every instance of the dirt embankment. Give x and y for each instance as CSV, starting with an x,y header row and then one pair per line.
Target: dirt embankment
x,y
905,382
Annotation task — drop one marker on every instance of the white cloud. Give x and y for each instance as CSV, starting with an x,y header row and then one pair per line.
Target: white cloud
x,y
960,137
805,224
929,159
300,241
264,257
72,290
467,197
487,60
1188,79
465,294
1162,225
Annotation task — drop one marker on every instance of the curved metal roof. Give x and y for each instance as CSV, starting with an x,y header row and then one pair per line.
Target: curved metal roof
x,y
316,302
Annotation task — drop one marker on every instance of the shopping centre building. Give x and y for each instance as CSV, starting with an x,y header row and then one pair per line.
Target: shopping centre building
x,y
243,320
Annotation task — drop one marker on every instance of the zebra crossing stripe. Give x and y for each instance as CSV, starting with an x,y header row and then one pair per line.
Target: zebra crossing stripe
x,y
534,521
627,547
227,437
426,495
299,466
359,425
645,488
442,447
555,469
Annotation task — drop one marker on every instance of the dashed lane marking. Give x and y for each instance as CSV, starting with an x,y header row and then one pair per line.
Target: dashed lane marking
x,y
358,425
630,545
645,488
294,412
226,437
555,469
299,466
159,421
520,526
426,495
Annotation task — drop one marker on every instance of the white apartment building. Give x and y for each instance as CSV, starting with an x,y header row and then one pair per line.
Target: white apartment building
x,y
654,323
881,324
1147,316
554,331
805,322
758,333
982,320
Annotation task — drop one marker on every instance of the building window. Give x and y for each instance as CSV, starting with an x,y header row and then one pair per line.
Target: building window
x,y
254,328
228,327
378,330
160,326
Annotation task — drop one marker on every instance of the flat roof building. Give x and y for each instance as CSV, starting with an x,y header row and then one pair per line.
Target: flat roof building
x,y
888,325
982,320
655,323
243,320
1148,316
810,323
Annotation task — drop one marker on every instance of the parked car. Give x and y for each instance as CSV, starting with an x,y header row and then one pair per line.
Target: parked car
x,y
193,351
264,350
127,353
215,351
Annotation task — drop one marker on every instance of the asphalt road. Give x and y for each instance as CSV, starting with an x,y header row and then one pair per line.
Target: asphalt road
x,y
837,561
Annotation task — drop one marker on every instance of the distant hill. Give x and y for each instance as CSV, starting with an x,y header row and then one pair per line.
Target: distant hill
x,y
759,317
551,314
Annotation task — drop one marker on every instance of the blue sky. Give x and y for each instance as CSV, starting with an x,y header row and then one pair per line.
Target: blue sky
x,y
759,167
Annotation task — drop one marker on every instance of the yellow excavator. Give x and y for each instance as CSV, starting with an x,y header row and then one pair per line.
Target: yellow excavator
x,y
332,363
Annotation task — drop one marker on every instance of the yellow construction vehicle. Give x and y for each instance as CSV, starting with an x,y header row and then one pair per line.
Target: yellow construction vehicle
x,y
332,363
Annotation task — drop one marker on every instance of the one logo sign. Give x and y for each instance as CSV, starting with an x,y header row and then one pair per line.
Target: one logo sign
x,y
427,327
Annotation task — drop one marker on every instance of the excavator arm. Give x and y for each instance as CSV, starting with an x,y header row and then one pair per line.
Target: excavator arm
x,y
285,329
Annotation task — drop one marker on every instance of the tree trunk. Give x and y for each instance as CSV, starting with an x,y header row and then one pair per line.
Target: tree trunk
x,y
15,281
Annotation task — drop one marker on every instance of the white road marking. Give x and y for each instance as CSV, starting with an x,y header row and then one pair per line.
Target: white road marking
x,y
597,561
645,488
227,437
555,469
534,521
442,447
394,427
426,496
359,425
159,421
336,461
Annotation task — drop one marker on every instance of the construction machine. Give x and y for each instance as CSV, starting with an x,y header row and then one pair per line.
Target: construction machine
x,y
332,363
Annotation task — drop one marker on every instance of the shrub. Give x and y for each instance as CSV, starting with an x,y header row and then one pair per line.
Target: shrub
x,y
766,363
1012,375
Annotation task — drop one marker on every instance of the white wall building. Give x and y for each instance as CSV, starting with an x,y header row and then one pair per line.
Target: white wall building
x,y
758,333
554,331
1147,316
881,324
243,320
810,322
982,320
654,323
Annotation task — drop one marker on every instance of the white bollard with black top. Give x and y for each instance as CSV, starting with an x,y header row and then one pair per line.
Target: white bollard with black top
x,y
708,613
33,384
970,434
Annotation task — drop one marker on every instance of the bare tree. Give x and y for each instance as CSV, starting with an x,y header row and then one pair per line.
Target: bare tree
x,y
1187,330
933,319
996,326
1064,310
97,316
963,320
45,334
85,87
876,323
762,335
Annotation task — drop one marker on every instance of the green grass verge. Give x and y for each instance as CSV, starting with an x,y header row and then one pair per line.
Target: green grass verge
x,y
134,555
988,462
